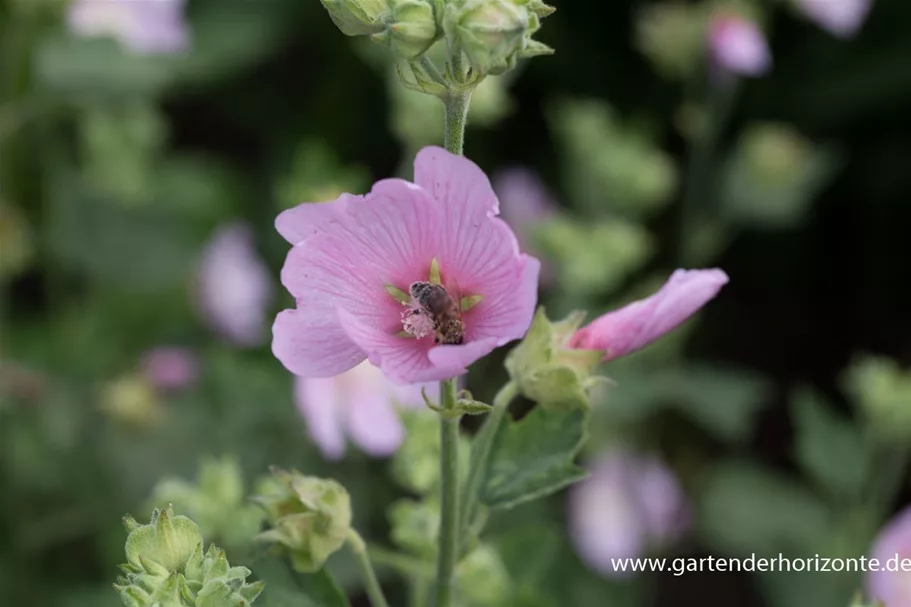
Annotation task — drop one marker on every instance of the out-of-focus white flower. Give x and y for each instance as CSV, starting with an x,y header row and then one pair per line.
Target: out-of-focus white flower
x,y
143,26
359,403
841,18
738,46
234,288
629,505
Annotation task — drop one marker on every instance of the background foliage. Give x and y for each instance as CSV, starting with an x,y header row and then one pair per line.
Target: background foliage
x,y
115,169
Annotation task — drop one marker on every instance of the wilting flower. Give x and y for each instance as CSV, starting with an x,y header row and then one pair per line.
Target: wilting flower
x,y
738,46
630,504
170,368
634,326
143,26
234,289
421,278
839,17
892,588
359,403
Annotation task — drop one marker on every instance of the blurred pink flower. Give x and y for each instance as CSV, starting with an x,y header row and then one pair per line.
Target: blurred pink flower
x,y
170,368
524,204
738,46
634,326
359,403
234,289
892,588
350,253
630,504
841,18
143,26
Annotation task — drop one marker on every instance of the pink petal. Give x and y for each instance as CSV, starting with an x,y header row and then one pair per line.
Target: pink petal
x,y
233,285
457,182
404,361
841,18
739,46
510,296
893,588
170,368
632,327
372,420
309,344
311,218
604,523
317,401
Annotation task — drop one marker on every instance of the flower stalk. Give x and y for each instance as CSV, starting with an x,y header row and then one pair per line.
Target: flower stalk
x,y
448,553
371,583
483,442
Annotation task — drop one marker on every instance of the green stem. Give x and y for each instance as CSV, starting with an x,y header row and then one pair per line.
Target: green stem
x,y
405,564
449,495
698,190
480,453
371,584
456,119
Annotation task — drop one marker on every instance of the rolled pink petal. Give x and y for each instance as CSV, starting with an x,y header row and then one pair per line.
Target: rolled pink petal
x,y
170,369
234,289
842,18
359,404
636,325
892,588
738,46
143,26
629,505
348,254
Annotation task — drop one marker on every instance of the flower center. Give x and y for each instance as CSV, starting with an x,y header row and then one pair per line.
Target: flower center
x,y
430,309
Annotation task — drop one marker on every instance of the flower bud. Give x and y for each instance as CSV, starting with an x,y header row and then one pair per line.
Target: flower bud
x,y
167,541
415,525
495,34
547,370
357,17
411,30
882,389
482,577
310,517
167,568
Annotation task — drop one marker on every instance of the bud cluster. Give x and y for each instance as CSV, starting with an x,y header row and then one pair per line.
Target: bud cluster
x,y
166,567
492,34
310,518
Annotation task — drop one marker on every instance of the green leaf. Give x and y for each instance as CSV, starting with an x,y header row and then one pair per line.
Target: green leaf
x,y
287,589
533,457
829,447
744,508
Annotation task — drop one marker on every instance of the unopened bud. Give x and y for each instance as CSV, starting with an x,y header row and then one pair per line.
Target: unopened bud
x,y
357,17
310,517
547,370
411,30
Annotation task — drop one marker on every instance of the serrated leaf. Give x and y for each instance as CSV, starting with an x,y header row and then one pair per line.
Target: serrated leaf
x,y
533,457
828,447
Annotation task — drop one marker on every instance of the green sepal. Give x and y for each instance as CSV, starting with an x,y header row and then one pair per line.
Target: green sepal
x,y
470,301
398,294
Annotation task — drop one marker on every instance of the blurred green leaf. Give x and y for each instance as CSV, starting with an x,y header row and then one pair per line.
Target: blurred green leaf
x,y
830,448
93,68
723,400
533,457
744,508
287,589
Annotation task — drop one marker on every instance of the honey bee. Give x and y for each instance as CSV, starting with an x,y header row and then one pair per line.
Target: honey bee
x,y
440,306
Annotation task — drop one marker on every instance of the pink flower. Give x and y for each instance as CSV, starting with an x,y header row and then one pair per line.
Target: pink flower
x,y
234,289
629,505
632,327
893,588
359,403
738,46
170,368
841,18
143,26
362,271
